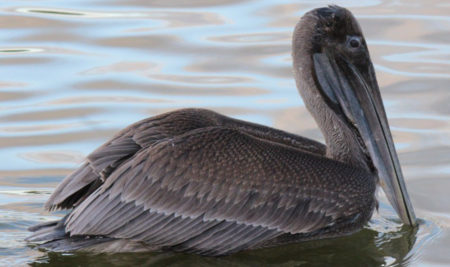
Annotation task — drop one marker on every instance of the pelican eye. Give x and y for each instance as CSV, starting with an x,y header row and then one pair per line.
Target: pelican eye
x,y
354,42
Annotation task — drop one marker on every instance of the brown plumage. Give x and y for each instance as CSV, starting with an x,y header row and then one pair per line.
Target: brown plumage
x,y
197,181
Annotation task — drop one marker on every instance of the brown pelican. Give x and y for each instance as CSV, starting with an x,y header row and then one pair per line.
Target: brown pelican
x,y
196,181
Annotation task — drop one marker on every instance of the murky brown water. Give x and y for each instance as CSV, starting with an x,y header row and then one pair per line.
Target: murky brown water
x,y
75,72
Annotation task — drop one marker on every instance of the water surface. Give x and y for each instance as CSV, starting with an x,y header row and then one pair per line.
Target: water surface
x,y
75,72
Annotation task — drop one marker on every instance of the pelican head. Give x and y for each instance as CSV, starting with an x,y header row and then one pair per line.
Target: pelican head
x,y
337,81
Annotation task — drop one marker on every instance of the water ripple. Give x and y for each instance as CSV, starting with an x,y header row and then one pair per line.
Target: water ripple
x,y
76,72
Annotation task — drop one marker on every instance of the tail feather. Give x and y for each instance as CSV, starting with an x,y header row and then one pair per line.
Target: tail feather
x,y
48,231
47,234
52,236
74,243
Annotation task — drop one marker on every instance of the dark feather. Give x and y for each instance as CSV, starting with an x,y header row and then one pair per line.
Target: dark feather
x,y
154,199
210,185
124,145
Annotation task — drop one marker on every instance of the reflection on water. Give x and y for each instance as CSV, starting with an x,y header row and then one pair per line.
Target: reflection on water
x,y
366,248
75,73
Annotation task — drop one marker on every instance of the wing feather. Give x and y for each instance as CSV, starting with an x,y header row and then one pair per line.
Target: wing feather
x,y
194,180
143,134
215,203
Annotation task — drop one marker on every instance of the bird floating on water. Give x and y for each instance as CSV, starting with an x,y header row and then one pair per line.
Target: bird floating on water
x,y
193,180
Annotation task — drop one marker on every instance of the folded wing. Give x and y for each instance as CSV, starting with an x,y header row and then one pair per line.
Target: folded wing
x,y
217,190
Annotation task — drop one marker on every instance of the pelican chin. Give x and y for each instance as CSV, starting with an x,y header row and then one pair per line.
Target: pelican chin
x,y
193,180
